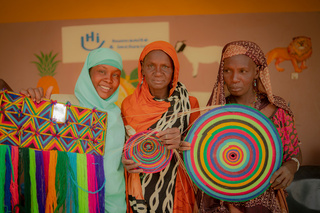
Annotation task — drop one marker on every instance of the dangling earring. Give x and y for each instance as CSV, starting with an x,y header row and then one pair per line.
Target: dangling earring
x,y
141,81
255,82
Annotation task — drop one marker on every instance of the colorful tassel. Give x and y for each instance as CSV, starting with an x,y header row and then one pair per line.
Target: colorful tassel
x,y
14,182
73,176
40,178
7,197
92,184
50,181
26,184
3,149
51,202
32,166
100,181
82,182
61,180
46,160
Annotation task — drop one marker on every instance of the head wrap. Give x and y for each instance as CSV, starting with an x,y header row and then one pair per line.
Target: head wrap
x,y
141,110
254,52
88,97
170,51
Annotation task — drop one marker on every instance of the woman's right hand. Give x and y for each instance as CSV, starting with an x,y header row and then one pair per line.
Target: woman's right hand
x,y
36,94
131,166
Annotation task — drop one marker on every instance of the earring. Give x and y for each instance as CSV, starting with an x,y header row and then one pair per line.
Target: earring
x,y
141,81
255,82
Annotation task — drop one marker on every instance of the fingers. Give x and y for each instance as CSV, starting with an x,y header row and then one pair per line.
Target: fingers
x,y
36,94
170,138
49,92
184,146
39,94
282,178
131,166
24,92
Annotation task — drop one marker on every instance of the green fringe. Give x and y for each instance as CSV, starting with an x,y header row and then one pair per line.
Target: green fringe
x,y
3,150
61,181
34,199
83,182
26,168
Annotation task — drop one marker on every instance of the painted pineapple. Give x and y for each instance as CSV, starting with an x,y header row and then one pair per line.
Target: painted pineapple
x,y
46,67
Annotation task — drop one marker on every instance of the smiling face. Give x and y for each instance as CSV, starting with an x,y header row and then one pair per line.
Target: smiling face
x,y
105,79
157,69
238,73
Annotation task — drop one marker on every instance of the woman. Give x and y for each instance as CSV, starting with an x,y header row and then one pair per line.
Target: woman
x,y
243,78
98,86
155,104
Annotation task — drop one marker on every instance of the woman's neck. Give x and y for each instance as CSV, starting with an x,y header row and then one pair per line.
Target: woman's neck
x,y
160,94
248,100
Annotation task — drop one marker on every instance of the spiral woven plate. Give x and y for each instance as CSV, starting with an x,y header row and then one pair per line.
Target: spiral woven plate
x,y
145,147
235,149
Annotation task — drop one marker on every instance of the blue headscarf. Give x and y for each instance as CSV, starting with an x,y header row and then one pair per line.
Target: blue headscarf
x,y
88,97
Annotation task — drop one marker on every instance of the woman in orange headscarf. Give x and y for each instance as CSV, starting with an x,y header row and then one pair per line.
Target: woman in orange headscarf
x,y
155,104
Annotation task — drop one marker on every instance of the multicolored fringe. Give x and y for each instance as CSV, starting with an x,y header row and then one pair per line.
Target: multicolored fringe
x,y
50,181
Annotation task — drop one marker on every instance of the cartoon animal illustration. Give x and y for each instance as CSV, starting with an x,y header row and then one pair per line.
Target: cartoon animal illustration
x,y
46,67
197,55
298,51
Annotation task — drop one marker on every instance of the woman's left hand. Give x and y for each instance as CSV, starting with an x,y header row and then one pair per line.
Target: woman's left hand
x,y
171,138
283,177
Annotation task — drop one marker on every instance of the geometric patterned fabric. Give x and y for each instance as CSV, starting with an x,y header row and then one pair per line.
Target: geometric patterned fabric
x,y
25,123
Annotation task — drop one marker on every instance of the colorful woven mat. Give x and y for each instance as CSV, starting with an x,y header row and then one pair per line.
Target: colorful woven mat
x,y
50,181
49,125
235,149
145,147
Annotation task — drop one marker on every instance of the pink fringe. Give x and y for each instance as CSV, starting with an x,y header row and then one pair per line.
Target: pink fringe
x,y
14,180
92,184
46,160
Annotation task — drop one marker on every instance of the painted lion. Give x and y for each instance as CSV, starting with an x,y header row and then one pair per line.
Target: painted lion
x,y
298,51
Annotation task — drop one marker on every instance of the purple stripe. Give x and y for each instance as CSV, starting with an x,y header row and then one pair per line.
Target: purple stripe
x,y
40,179
100,181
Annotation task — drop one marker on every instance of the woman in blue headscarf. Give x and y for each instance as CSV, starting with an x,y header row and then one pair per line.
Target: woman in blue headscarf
x,y
98,86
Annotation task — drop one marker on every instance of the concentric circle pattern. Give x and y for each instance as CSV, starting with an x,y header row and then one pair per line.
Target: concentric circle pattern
x,y
145,147
235,149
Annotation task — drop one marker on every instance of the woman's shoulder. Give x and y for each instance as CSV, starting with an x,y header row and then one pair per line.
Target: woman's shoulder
x,y
126,102
269,110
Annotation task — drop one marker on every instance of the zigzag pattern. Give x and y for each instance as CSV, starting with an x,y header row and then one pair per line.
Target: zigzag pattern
x,y
42,109
25,123
10,101
99,119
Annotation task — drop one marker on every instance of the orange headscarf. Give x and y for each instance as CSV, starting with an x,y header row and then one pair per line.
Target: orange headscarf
x,y
142,108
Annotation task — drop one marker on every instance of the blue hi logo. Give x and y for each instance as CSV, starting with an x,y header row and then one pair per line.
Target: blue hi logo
x,y
90,38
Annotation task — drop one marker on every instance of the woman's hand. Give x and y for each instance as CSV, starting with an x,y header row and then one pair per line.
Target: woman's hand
x,y
131,166
171,138
184,146
283,177
36,94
